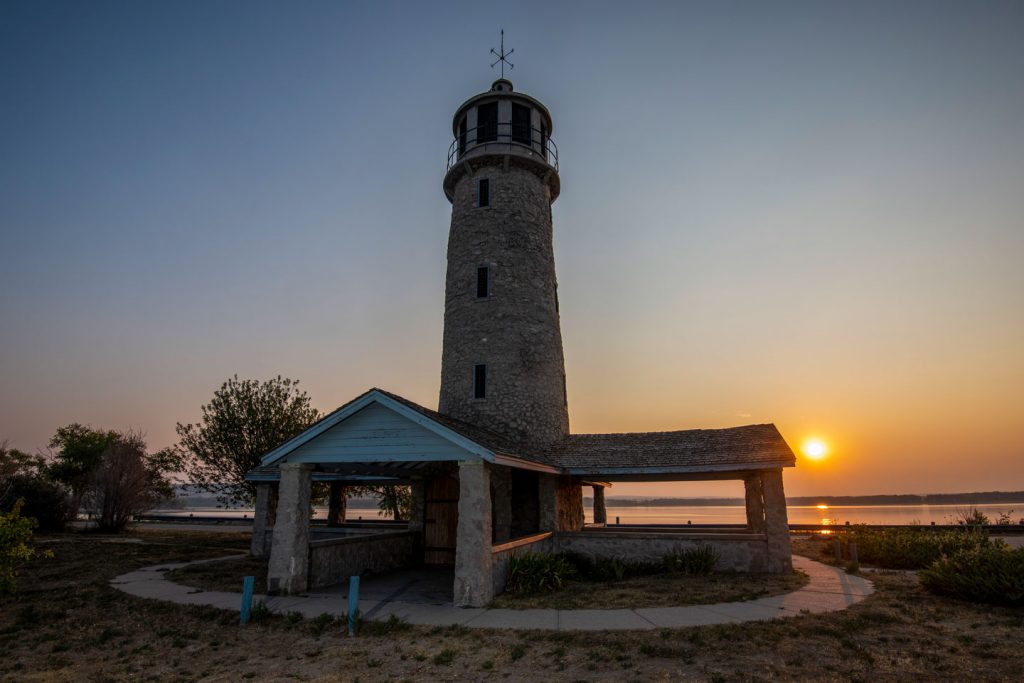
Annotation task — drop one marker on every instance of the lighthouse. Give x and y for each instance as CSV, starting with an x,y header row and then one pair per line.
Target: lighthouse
x,y
502,366
494,471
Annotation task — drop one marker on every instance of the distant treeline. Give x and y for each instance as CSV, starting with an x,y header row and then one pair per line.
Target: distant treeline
x,y
188,498
978,498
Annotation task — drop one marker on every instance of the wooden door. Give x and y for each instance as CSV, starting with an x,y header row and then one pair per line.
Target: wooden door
x,y
441,523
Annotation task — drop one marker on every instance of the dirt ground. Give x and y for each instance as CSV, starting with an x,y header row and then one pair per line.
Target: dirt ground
x,y
67,624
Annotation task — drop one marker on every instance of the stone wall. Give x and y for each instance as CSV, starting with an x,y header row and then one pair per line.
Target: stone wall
x,y
736,552
502,554
515,331
334,560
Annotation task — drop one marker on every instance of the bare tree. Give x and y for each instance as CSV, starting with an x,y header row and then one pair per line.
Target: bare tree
x,y
127,482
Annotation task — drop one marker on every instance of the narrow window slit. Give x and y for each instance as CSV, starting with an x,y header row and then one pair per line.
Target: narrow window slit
x,y
483,282
479,381
483,192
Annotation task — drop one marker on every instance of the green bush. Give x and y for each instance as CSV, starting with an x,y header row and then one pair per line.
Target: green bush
x,y
691,561
538,573
15,545
992,574
610,568
908,548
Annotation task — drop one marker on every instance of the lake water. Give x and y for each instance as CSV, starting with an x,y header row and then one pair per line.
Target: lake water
x,y
721,514
809,514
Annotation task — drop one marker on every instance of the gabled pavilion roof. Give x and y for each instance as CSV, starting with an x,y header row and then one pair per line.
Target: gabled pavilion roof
x,y
380,435
692,452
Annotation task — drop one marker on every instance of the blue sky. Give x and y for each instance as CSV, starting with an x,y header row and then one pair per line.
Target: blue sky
x,y
806,213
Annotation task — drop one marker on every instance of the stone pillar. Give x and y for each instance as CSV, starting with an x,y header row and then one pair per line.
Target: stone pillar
x,y
417,504
289,556
568,504
755,504
474,585
780,557
336,504
547,494
501,493
600,513
261,528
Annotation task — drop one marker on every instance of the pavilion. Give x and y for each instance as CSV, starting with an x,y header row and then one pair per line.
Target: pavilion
x,y
477,500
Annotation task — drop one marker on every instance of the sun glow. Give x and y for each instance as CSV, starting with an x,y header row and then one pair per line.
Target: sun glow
x,y
815,449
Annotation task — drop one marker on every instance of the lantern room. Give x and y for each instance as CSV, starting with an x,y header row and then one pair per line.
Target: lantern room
x,y
502,126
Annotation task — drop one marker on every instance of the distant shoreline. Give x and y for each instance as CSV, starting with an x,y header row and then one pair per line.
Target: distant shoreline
x,y
979,498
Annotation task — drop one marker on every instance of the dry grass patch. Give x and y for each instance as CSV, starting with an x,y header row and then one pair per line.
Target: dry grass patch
x,y
225,575
660,590
68,624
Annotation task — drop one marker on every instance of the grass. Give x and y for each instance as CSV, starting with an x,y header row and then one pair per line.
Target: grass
x,y
52,628
905,548
660,590
223,576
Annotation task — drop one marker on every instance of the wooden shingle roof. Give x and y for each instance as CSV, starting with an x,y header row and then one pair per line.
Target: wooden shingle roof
x,y
691,450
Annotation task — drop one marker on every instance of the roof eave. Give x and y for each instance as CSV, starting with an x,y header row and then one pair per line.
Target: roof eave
x,y
596,472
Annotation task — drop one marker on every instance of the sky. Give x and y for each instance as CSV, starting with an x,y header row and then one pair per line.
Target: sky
x,y
806,213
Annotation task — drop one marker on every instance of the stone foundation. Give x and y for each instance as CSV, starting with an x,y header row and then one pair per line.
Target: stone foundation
x,y
334,560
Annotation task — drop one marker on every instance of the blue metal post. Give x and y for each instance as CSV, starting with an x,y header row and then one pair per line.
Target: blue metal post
x,y
247,587
353,604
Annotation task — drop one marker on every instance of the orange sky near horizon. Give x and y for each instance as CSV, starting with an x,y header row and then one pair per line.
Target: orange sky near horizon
x,y
760,220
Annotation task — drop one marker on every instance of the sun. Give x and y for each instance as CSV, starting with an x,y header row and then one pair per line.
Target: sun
x,y
815,449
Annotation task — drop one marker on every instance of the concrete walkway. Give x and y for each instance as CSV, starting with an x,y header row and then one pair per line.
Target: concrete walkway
x,y
829,590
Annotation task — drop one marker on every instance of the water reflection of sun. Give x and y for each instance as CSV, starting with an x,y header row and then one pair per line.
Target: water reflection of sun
x,y
827,521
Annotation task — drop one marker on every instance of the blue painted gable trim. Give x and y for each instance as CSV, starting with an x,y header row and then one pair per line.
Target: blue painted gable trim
x,y
370,397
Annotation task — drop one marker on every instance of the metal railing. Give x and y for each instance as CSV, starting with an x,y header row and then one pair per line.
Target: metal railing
x,y
495,136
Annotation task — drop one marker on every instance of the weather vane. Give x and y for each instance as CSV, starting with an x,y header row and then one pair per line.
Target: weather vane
x,y
501,56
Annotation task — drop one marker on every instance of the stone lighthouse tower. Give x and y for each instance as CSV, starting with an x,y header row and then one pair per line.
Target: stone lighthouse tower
x,y
502,366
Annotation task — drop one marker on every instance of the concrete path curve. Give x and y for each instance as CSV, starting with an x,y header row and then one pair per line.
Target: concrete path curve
x,y
830,589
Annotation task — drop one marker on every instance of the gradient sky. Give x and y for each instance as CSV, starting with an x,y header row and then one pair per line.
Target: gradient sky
x,y
803,213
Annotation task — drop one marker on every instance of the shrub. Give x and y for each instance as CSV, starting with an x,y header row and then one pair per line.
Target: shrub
x,y
15,546
538,572
610,568
971,517
908,548
260,613
126,481
43,500
990,573
24,477
691,561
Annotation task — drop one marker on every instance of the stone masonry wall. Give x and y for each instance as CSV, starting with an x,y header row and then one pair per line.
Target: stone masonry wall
x,y
333,561
734,554
515,331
